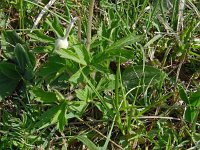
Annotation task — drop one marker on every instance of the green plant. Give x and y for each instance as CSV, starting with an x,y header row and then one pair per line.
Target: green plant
x,y
116,87
18,66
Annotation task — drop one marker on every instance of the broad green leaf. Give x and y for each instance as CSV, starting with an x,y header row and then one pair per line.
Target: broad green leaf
x,y
55,25
11,38
60,116
46,118
32,59
52,67
195,99
25,60
44,96
9,79
87,56
101,68
95,90
62,120
9,70
184,96
84,94
111,54
127,54
100,57
78,77
40,37
82,53
7,85
70,115
43,49
105,110
106,83
191,114
22,58
86,142
128,40
79,107
49,69
135,75
59,95
68,54
56,114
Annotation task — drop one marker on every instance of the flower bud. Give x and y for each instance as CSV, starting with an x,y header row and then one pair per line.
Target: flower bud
x,y
61,43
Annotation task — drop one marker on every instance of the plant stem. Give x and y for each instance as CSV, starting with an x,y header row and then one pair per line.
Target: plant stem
x,y
70,26
21,12
180,15
79,29
89,27
43,11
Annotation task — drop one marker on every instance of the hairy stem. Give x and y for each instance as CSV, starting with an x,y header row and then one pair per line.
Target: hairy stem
x,y
70,27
